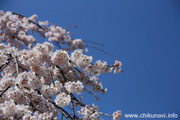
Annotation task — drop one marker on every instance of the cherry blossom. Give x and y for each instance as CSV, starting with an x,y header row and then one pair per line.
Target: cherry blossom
x,y
39,81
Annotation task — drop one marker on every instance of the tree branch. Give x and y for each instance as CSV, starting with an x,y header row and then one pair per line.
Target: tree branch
x,y
4,91
28,20
73,109
6,64
102,51
66,114
105,114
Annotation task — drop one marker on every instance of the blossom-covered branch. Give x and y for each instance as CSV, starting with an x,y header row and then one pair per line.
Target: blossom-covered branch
x,y
39,81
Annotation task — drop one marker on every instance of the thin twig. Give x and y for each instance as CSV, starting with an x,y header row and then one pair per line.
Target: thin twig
x,y
75,67
71,26
5,65
62,117
74,99
62,73
73,109
105,114
78,70
102,51
30,101
4,91
91,93
58,45
92,42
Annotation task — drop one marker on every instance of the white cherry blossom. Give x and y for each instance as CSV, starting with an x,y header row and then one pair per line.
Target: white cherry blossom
x,y
39,81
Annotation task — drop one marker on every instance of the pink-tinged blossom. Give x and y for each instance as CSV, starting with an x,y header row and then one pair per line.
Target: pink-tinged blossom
x,y
84,61
33,17
73,87
89,112
7,80
48,34
62,99
33,73
17,95
3,59
117,115
44,23
60,57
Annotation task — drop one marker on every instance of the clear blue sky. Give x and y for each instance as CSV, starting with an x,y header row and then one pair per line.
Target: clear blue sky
x,y
144,34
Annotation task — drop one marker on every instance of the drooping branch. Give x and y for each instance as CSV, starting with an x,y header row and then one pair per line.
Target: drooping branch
x,y
28,20
60,109
72,96
66,114
31,64
102,51
92,42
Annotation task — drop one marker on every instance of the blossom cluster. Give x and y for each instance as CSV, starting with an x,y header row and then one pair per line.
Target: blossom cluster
x,y
38,80
62,99
90,112
74,87
117,115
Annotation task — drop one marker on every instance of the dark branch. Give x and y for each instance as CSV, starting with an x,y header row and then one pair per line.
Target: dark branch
x,y
6,64
28,20
61,71
102,51
66,114
73,110
92,42
4,91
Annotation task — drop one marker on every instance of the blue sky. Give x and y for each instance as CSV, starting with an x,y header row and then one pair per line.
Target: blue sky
x,y
144,34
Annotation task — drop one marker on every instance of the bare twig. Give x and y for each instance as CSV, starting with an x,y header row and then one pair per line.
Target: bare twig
x,y
105,114
58,45
73,109
71,26
91,93
102,51
92,42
